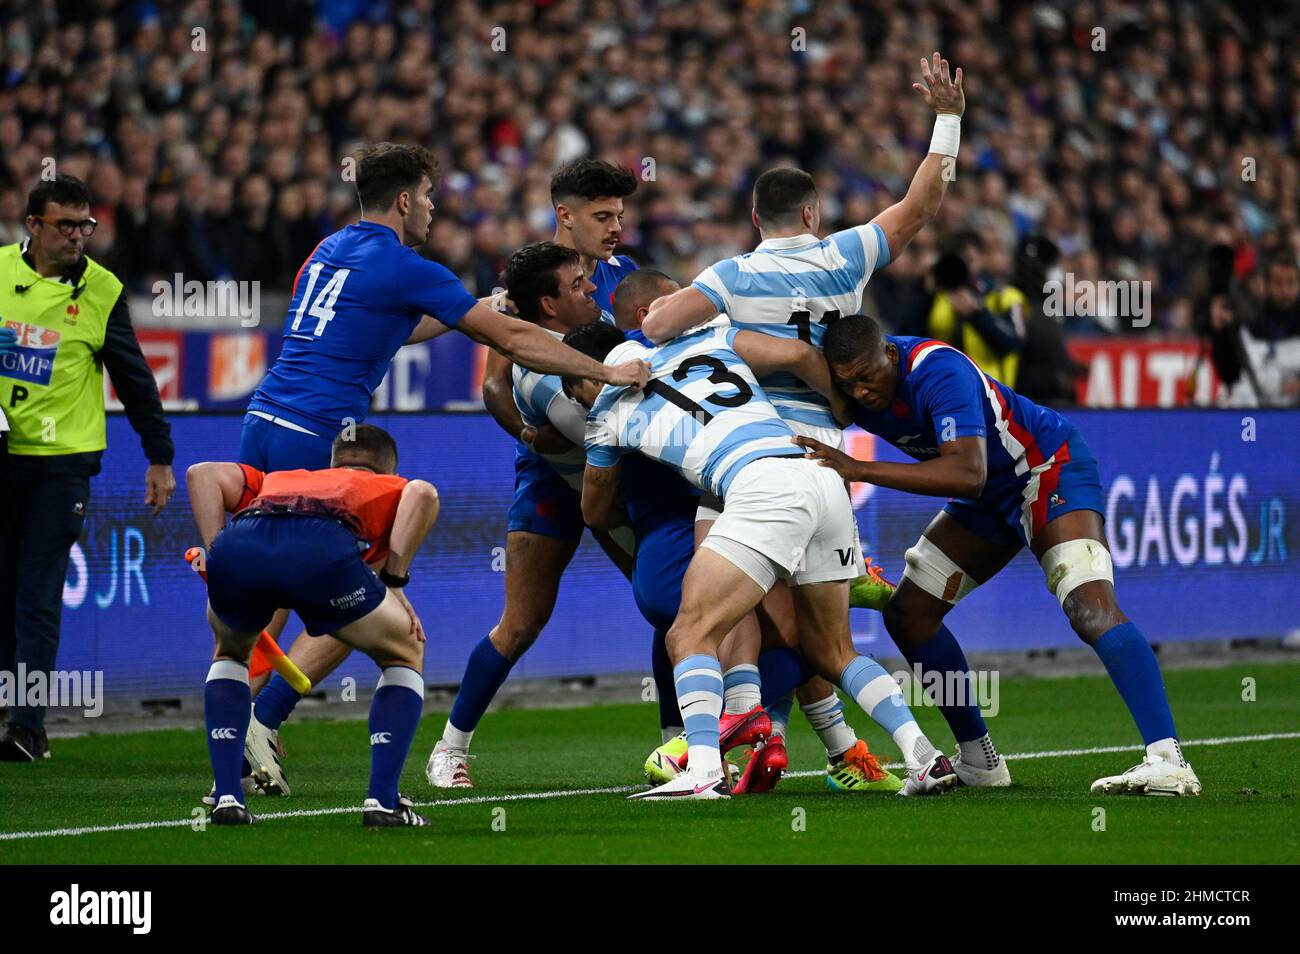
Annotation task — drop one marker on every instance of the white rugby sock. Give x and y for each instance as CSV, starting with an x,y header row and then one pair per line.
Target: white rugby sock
x,y
980,753
1167,749
826,716
457,739
742,689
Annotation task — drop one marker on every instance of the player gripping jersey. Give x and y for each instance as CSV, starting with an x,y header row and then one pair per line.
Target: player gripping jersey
x,y
1018,475
704,414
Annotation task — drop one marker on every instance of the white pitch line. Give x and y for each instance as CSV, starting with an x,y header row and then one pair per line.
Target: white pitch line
x,y
1100,750
573,792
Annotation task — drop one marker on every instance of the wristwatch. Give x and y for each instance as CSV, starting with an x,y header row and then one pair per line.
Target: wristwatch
x,y
396,582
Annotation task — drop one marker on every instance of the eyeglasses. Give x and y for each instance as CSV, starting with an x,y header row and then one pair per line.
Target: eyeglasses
x,y
67,227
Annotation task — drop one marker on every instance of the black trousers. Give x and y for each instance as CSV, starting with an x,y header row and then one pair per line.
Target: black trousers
x,y
41,517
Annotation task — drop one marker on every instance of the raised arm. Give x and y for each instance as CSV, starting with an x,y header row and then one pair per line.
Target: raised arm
x,y
215,490
673,314
902,220
531,346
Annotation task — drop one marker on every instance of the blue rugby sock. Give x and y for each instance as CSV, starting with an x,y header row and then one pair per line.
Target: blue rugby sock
x,y
275,702
486,671
1133,668
670,719
394,716
943,655
782,671
698,680
226,712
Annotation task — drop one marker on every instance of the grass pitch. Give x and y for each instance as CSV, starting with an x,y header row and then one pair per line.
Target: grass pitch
x,y
552,787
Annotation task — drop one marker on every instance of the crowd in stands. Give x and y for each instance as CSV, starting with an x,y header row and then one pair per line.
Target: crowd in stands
x,y
1154,141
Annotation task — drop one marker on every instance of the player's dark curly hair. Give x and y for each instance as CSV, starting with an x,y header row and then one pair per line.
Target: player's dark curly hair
x,y
365,440
780,195
531,274
65,190
589,179
851,338
595,340
385,169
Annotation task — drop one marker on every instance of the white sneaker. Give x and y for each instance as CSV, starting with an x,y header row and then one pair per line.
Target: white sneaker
x,y
447,768
687,786
934,779
975,777
263,750
1152,777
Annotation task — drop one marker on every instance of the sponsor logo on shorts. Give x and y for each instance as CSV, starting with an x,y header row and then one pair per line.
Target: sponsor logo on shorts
x,y
846,556
350,600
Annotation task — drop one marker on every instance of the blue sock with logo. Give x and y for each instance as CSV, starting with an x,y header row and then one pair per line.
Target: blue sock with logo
x,y
1132,665
226,711
484,674
275,702
942,654
394,716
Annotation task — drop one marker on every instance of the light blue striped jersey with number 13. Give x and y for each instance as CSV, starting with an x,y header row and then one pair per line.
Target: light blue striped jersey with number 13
x,y
794,287
702,413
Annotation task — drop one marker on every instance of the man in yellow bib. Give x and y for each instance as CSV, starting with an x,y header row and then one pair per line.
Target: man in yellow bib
x,y
63,320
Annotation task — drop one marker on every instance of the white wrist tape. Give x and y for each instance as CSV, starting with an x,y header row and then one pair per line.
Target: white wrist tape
x,y
947,134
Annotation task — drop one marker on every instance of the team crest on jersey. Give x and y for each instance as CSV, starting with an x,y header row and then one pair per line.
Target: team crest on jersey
x,y
32,358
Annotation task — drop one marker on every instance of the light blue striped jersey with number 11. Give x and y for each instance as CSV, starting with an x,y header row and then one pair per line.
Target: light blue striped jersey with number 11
x,y
794,287
702,413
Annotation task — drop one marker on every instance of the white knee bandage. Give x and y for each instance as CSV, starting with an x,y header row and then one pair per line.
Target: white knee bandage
x,y
934,571
1075,562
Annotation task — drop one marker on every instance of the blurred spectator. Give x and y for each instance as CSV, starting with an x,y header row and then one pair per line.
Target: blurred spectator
x,y
1128,160
975,309
1047,372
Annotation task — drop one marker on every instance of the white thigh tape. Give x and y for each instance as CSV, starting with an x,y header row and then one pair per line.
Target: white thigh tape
x,y
1075,562
933,571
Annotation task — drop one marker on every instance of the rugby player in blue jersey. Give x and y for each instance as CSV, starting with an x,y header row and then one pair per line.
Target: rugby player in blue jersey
x,y
1018,476
545,522
361,295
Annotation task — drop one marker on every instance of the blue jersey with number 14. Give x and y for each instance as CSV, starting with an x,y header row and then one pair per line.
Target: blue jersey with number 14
x,y
355,301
